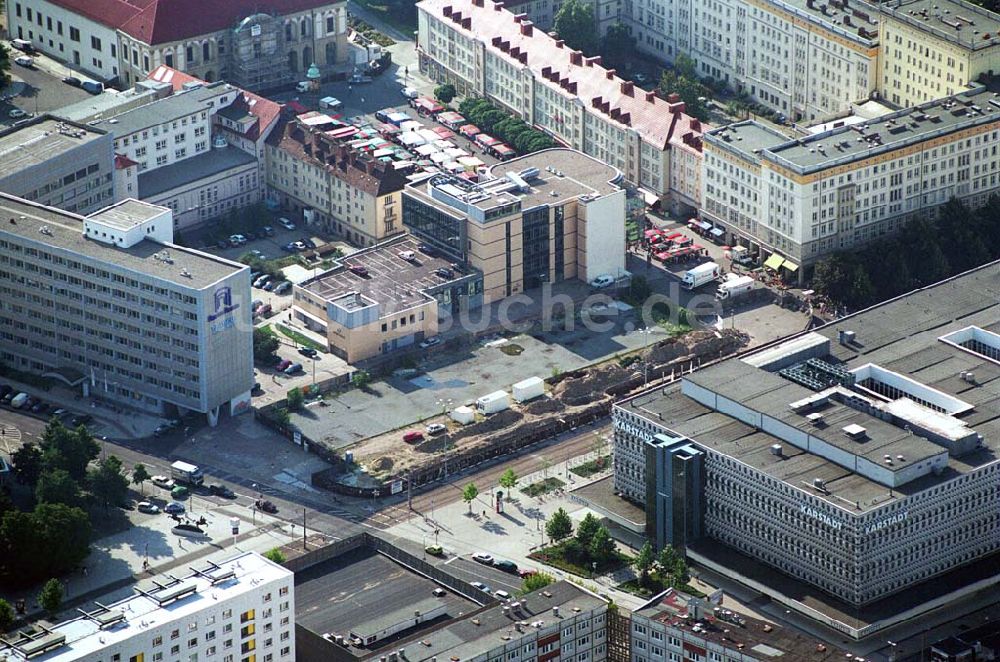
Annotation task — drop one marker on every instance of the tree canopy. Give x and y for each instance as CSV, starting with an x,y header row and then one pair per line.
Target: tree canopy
x,y
108,482
265,344
617,46
512,130
44,543
559,526
57,486
683,81
71,450
575,24
469,494
444,93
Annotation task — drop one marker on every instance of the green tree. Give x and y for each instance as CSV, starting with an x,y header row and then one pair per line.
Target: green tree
x,y
688,89
282,417
295,399
139,476
576,26
51,596
602,546
361,379
275,555
667,558
4,66
6,615
587,529
685,66
67,449
469,494
559,526
644,562
57,486
536,582
265,344
639,289
508,479
444,93
108,482
617,46
27,462
574,552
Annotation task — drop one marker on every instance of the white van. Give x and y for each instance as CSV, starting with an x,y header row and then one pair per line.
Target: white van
x,y
303,86
23,45
407,255
18,400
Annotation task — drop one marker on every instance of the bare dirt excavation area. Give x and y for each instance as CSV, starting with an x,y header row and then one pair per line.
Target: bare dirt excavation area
x,y
573,398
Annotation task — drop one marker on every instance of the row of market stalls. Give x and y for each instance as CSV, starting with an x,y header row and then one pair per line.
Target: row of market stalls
x,y
774,262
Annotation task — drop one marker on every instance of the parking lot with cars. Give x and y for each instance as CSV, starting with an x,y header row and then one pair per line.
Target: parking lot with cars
x,y
37,86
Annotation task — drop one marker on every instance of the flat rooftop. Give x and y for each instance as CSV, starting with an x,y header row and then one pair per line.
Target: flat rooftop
x,y
40,140
127,214
756,637
166,602
65,232
350,590
956,21
842,18
180,104
196,168
601,493
746,139
394,283
903,336
465,639
888,133
566,172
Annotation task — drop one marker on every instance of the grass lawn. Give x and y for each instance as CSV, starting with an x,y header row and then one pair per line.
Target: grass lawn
x,y
655,585
305,341
542,487
555,557
385,12
588,469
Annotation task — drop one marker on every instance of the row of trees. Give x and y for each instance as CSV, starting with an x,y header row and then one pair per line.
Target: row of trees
x,y
683,81
669,565
921,253
512,130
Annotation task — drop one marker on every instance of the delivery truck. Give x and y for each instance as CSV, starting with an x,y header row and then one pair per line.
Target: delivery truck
x,y
741,255
183,472
733,287
695,277
529,389
493,402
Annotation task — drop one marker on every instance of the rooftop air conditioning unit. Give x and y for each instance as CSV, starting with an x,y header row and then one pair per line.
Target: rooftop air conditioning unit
x,y
775,450
815,418
854,431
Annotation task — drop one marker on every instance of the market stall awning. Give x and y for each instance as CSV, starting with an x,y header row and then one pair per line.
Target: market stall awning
x,y
717,232
791,266
774,262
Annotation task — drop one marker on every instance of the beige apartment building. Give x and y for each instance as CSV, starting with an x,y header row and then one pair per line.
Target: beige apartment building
x,y
934,48
805,197
543,218
331,185
484,49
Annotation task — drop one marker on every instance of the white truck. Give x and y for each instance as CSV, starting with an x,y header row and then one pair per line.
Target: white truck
x,y
741,255
697,276
184,472
529,389
493,402
734,286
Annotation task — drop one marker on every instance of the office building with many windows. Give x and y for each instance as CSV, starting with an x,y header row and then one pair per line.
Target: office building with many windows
x,y
801,198
107,304
859,458
241,609
547,217
484,49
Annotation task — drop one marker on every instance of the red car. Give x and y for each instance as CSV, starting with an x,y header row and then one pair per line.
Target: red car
x,y
413,437
526,572
284,363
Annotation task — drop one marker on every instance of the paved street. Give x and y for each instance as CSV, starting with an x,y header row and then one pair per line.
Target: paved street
x,y
39,89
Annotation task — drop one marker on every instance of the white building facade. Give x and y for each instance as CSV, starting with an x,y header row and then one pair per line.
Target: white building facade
x,y
81,40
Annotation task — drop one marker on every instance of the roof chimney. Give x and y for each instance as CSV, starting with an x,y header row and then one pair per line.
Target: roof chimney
x,y
626,87
591,61
610,74
560,43
446,11
467,23
576,57
626,119
520,17
651,96
596,102
526,28
673,97
478,3
571,87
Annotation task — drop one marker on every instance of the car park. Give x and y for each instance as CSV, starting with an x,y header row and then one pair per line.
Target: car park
x,y
483,557
285,223
283,287
265,506
430,342
308,351
147,507
436,428
293,369
222,491
174,508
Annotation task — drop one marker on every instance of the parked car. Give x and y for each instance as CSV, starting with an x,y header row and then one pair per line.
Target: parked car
x,y
261,280
481,586
289,247
16,113
439,592
358,270
179,492
309,243
285,223
268,231
81,419
72,81
308,351
283,288
483,557
293,369
222,491
39,408
430,342
92,86
503,595
161,430
507,566
147,507
174,508
237,240
436,428
413,436
602,282
434,550
264,310
5,389
256,304
427,249
409,93
269,286
162,481
258,254
282,364
526,572
24,61
265,506
10,396
444,272
299,246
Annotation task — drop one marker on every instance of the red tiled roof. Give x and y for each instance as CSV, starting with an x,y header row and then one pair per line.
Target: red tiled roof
x,y
513,37
162,21
265,110
122,162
